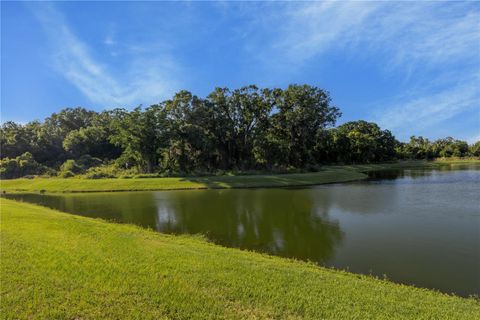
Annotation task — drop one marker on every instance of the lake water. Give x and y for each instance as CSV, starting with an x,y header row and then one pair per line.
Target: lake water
x,y
419,227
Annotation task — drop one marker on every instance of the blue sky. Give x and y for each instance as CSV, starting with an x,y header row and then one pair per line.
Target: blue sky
x,y
413,68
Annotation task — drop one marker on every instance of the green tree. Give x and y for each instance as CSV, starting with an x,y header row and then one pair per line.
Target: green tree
x,y
363,142
302,111
21,166
419,148
474,149
449,147
141,135
15,139
191,144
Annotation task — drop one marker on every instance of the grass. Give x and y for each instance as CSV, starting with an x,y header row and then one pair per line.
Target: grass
x,y
134,184
60,266
328,174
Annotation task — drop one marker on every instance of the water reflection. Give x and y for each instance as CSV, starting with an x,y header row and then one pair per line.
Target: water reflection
x,y
291,223
282,222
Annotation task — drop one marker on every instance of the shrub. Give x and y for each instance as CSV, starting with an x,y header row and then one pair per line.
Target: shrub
x,y
66,174
23,165
98,175
87,161
70,165
104,171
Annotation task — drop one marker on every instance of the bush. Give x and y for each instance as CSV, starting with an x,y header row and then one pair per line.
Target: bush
x,y
87,161
107,171
79,166
21,166
98,175
66,174
70,165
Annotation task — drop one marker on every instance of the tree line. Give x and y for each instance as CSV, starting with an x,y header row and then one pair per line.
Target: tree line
x,y
244,129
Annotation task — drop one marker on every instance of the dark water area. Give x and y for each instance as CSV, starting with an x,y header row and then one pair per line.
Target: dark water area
x,y
419,227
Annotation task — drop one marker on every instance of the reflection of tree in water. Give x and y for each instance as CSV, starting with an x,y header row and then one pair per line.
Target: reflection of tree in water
x,y
281,222
394,174
414,173
356,198
278,221
127,207
386,174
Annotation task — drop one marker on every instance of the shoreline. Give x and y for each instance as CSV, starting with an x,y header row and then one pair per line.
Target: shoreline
x,y
182,276
327,175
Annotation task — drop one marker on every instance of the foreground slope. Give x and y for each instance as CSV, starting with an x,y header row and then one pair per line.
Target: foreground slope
x,y
60,266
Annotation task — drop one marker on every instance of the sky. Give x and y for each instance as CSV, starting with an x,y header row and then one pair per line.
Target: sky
x,y
411,67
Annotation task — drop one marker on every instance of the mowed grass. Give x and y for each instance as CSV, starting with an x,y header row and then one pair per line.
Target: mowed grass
x,y
136,184
328,174
60,266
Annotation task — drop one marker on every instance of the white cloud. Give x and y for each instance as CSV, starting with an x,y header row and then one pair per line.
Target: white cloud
x,y
312,28
473,139
420,110
426,32
144,80
435,46
109,41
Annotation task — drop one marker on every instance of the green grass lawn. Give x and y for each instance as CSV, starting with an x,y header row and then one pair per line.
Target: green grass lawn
x,y
61,266
328,174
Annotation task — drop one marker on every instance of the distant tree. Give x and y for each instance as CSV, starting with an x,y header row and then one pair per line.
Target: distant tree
x,y
303,110
325,150
15,139
191,142
363,142
21,166
240,129
449,147
474,149
419,148
93,140
141,135
253,107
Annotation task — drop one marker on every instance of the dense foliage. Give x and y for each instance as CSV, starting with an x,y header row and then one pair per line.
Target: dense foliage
x,y
229,130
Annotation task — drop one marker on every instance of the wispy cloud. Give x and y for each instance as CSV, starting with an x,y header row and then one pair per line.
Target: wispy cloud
x,y
418,111
144,79
431,50
428,32
433,46
310,29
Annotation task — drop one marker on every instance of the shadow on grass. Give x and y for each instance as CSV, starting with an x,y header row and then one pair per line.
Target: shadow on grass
x,y
274,180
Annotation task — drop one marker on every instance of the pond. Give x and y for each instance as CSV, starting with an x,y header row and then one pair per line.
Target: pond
x,y
419,227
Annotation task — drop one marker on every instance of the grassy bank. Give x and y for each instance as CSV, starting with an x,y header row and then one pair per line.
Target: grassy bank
x,y
328,174
60,266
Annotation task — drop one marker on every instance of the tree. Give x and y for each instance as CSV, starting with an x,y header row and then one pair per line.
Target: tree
x,y
191,140
449,147
93,140
21,166
240,129
419,148
302,111
325,149
252,107
475,149
363,142
141,135
15,139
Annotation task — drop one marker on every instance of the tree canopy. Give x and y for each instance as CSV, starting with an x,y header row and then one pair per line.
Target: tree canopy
x,y
249,128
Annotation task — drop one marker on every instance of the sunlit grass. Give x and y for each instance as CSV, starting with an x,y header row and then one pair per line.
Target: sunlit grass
x,y
60,266
243,181
328,174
